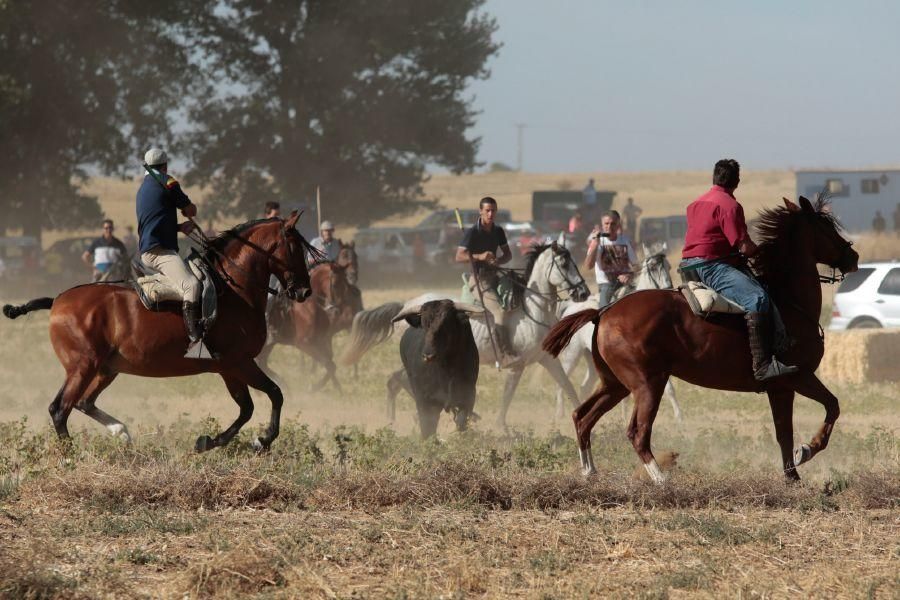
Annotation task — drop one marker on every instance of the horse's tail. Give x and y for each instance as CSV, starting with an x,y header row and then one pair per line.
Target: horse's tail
x,y
370,328
12,312
561,334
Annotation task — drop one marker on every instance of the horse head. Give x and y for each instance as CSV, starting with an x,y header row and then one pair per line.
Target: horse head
x,y
561,272
806,228
287,257
348,258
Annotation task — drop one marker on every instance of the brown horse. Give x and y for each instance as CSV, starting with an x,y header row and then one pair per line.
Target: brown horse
x,y
310,326
100,331
645,338
348,258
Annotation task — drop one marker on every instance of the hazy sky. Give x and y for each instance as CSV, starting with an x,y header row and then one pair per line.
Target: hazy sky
x,y
633,85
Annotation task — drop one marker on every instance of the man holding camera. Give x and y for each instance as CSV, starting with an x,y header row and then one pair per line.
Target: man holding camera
x,y
611,255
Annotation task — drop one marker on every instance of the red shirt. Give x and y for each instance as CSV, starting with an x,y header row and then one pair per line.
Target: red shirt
x,y
715,225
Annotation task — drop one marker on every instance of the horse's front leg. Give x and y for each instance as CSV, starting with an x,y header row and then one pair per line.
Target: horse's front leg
x,y
238,390
253,376
559,375
509,389
782,404
807,384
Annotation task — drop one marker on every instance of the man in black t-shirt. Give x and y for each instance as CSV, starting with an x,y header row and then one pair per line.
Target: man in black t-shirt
x,y
481,243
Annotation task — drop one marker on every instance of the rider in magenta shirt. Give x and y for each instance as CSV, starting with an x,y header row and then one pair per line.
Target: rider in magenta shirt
x,y
716,226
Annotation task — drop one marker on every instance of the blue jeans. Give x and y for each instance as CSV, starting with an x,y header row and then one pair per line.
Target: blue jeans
x,y
733,283
606,292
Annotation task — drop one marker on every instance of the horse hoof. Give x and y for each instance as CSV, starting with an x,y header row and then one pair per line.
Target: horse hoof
x,y
204,443
791,476
802,454
588,472
260,445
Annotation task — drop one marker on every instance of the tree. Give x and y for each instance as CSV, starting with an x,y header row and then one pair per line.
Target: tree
x,y
81,90
355,96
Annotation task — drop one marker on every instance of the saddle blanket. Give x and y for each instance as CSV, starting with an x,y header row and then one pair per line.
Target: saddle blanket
x,y
155,289
704,300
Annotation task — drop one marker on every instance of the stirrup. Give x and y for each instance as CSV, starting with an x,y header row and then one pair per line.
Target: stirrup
x,y
773,369
199,349
510,361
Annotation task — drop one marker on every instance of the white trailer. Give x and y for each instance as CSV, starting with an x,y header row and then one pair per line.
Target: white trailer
x,y
855,195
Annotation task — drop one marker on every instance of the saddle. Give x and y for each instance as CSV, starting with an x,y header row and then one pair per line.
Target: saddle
x,y
157,293
704,300
506,290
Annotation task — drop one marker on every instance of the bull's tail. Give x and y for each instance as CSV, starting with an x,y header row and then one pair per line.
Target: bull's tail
x,y
370,328
561,334
12,312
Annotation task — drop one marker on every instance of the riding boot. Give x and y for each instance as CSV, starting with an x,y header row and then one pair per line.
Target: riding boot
x,y
508,356
192,320
765,365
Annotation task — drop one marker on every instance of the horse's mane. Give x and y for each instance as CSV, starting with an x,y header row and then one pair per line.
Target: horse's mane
x,y
221,241
777,225
522,278
531,257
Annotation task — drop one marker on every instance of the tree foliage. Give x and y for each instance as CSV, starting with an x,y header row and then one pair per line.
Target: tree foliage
x,y
82,89
354,96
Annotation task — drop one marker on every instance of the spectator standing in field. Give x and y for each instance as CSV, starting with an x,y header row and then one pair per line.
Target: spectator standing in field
x,y
611,255
897,220
272,209
878,223
104,252
632,212
575,224
589,193
130,241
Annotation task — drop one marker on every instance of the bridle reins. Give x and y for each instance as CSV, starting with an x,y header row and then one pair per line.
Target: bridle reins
x,y
209,247
553,297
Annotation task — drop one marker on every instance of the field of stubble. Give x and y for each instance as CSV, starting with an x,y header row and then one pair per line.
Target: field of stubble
x,y
346,505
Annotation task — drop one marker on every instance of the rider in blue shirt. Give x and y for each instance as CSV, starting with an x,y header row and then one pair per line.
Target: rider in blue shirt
x,y
157,200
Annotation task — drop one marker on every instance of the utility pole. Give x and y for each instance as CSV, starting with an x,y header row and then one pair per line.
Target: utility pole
x,y
520,145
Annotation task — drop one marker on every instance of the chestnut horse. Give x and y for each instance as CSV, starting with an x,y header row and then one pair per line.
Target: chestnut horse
x,y
311,325
646,337
100,331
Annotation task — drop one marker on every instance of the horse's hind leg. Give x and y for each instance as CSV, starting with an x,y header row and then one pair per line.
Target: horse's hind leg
x,y
398,380
782,404
241,395
646,404
100,382
73,390
670,394
604,399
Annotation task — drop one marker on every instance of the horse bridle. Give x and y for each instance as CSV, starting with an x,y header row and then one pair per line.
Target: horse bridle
x,y
554,297
845,256
290,284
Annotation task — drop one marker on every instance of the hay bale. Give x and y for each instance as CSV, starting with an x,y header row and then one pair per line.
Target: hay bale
x,y
861,356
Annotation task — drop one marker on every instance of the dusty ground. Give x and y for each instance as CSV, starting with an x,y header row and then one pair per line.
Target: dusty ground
x,y
346,506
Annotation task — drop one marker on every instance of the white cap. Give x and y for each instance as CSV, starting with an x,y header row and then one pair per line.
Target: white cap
x,y
326,226
155,156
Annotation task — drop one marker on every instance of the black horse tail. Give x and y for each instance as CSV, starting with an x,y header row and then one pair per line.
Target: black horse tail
x,y
562,333
370,328
12,312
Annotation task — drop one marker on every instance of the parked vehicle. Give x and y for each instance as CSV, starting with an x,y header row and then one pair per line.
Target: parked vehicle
x,y
447,217
671,230
868,298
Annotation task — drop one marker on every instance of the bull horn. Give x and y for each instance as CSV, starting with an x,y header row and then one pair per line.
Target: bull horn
x,y
473,310
407,310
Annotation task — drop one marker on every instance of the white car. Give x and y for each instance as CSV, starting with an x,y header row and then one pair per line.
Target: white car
x,y
868,298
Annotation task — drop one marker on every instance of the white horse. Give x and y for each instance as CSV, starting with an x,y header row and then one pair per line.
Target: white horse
x,y
653,274
550,271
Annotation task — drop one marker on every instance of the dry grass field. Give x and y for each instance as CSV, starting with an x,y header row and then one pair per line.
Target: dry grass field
x,y
348,505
